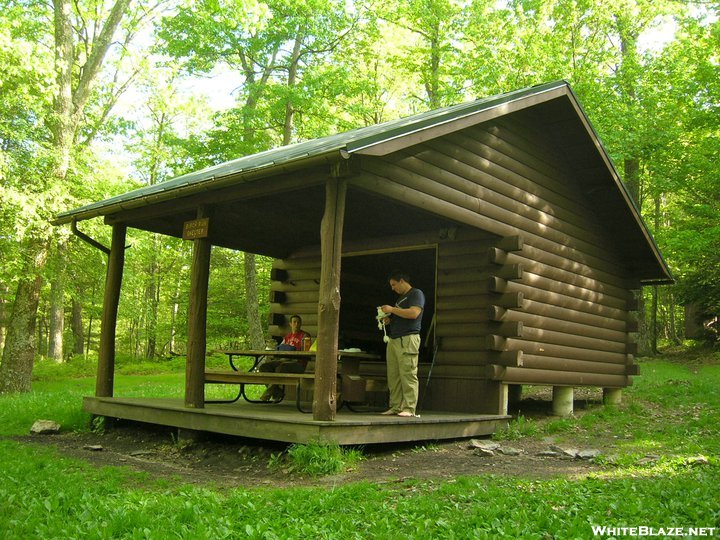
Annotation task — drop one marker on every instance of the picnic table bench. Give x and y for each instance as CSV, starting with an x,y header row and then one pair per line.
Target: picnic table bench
x,y
352,385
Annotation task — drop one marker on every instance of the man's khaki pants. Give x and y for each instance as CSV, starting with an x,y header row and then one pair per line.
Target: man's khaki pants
x,y
402,365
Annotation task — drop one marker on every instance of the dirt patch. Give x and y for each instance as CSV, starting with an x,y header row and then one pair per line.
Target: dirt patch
x,y
237,462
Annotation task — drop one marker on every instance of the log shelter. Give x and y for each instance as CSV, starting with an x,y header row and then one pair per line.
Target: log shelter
x,y
506,211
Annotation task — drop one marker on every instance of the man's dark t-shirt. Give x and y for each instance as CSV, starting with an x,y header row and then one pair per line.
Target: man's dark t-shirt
x,y
404,327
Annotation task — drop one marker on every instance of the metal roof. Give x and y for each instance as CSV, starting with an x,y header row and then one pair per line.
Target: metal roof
x,y
329,148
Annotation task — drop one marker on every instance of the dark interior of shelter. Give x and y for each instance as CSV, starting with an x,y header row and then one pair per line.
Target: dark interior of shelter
x,y
364,286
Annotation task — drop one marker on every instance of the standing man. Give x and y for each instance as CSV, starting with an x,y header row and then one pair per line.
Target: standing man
x,y
403,324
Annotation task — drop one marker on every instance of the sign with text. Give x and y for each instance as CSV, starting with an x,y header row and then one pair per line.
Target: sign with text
x,y
197,228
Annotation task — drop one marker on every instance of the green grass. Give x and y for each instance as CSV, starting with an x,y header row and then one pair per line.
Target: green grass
x,y
671,411
316,459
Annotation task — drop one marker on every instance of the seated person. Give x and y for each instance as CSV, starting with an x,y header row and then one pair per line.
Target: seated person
x,y
293,341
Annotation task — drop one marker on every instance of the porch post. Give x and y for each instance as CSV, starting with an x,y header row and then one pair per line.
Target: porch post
x,y
113,280
197,320
325,396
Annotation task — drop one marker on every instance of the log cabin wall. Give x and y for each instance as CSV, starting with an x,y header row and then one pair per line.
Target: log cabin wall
x,y
529,288
294,290
572,324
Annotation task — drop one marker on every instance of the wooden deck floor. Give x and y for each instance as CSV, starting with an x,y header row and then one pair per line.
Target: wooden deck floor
x,y
283,422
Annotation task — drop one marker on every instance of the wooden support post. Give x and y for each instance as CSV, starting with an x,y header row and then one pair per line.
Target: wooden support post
x,y
197,320
612,396
324,399
113,281
514,394
562,401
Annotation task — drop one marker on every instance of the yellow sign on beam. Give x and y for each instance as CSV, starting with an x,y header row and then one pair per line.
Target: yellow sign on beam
x,y
197,228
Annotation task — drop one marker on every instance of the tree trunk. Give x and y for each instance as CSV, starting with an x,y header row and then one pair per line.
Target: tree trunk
x,y
175,310
252,305
152,291
4,290
77,327
19,352
292,78
57,304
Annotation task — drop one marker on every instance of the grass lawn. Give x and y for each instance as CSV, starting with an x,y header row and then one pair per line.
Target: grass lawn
x,y
672,412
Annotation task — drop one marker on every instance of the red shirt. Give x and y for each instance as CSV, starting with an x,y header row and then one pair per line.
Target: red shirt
x,y
295,339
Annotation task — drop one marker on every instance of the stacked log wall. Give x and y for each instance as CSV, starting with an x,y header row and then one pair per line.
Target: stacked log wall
x,y
573,324
294,290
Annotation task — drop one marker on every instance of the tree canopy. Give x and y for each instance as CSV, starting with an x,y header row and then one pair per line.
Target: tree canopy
x,y
103,107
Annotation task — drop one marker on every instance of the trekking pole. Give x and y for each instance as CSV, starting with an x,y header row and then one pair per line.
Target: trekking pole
x,y
436,346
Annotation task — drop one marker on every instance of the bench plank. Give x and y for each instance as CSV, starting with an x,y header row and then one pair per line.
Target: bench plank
x,y
240,377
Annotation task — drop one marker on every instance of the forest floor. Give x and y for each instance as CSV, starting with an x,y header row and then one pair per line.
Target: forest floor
x,y
236,462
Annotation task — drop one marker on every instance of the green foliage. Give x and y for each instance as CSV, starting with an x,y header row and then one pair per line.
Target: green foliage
x,y
356,64
518,428
317,459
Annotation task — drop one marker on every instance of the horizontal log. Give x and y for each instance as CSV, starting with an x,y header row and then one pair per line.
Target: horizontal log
x,y
460,275
575,291
535,217
558,299
511,138
557,312
419,240
294,297
586,280
376,184
423,184
510,329
573,340
277,319
552,349
290,309
446,155
295,286
468,260
472,344
536,260
462,288
298,263
556,378
461,358
278,297
478,268
478,315
299,274
495,342
480,246
478,301
511,243
496,313
439,373
477,247
387,188
508,166
566,364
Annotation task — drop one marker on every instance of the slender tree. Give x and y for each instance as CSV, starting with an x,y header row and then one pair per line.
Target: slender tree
x,y
74,80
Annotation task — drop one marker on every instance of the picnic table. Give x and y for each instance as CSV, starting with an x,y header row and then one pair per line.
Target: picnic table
x,y
351,384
